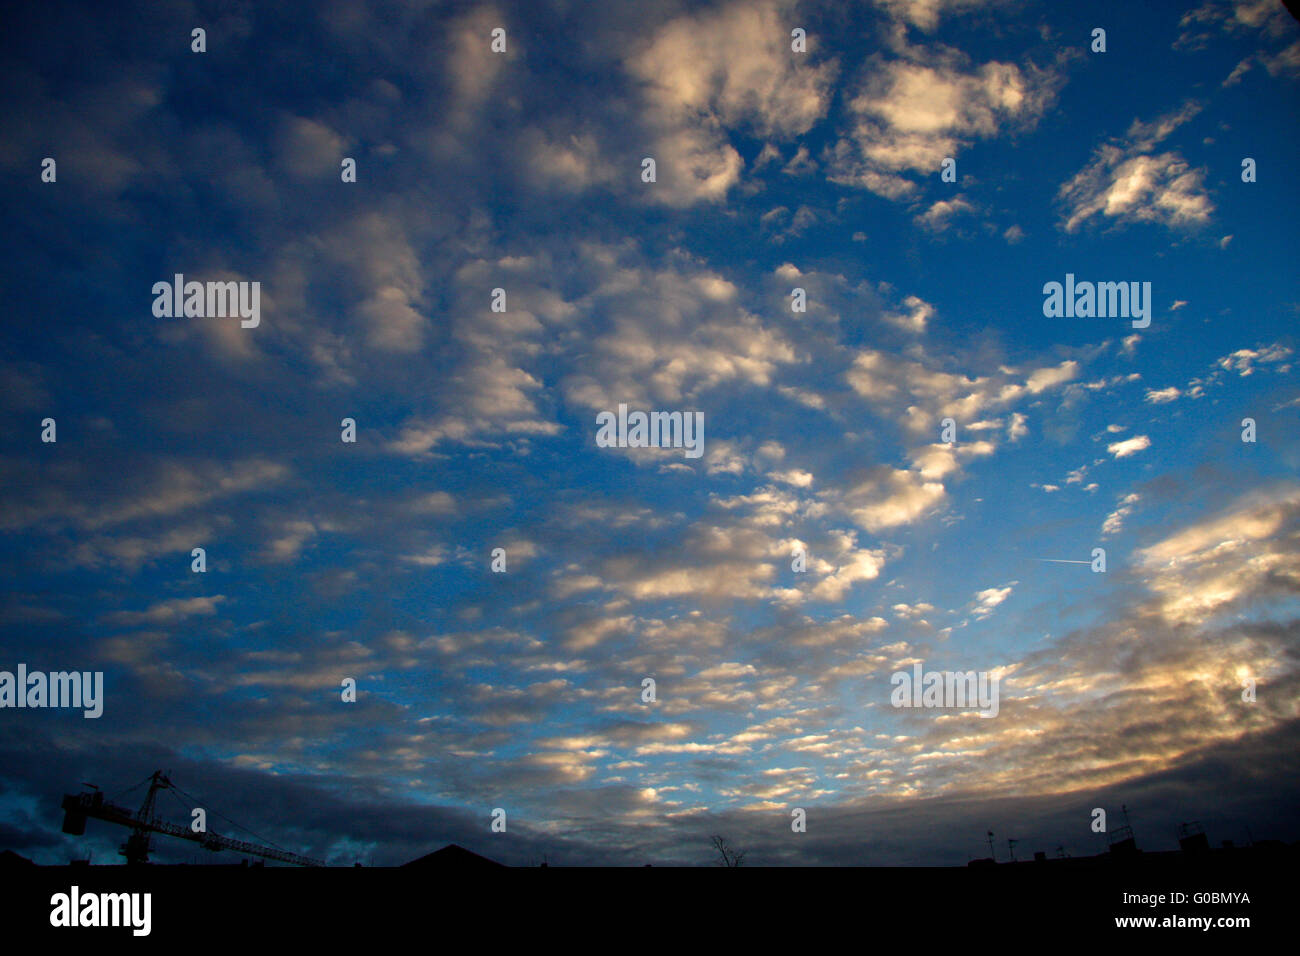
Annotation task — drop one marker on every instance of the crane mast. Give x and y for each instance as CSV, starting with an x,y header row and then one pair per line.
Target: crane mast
x,y
145,822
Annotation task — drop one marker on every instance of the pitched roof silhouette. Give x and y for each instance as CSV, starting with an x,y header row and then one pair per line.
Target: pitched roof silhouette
x,y
454,857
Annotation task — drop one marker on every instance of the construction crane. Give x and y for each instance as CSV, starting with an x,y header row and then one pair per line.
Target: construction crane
x,y
145,822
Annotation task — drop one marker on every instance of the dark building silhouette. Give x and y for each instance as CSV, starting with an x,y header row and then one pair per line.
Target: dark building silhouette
x,y
1192,838
1122,842
453,857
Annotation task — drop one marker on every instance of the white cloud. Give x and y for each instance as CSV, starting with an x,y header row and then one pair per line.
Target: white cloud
x,y
889,497
853,567
925,14
1163,396
674,332
912,113
167,612
288,545
1243,361
1128,182
494,399
1129,446
569,163
990,598
915,319
1197,28
1115,520
728,68
1246,549
939,216
795,477
923,395
1287,62
1018,427
307,148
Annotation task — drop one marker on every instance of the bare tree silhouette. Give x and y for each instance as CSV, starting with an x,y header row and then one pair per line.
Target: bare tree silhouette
x,y
728,856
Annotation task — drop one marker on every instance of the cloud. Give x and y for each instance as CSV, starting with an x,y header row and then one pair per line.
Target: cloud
x,y
1114,522
165,489
916,318
1017,427
888,497
377,254
856,566
434,502
309,149
472,68
1244,361
570,162
909,114
1163,396
798,478
288,545
1128,182
132,552
674,333
495,400
1200,27
923,395
371,560
1247,549
939,216
1285,63
1129,446
990,598
926,14
709,73
166,612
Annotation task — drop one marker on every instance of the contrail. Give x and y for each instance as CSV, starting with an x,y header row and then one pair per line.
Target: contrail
x,y
1062,561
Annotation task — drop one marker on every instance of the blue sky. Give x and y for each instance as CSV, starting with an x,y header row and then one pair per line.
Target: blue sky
x,y
476,429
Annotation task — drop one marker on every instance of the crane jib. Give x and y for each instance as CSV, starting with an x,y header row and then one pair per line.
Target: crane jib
x,y
144,823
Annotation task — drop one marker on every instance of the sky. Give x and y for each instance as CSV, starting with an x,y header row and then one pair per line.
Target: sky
x,y
775,169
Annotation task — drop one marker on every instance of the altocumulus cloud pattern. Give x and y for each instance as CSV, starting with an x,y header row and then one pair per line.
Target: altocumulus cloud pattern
x,y
575,431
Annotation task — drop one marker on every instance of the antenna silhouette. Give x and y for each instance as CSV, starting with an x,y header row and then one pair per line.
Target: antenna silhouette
x,y
991,851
